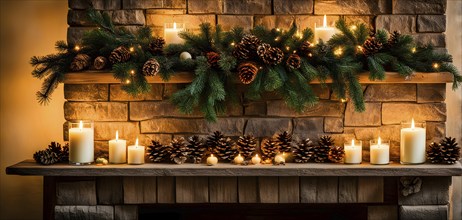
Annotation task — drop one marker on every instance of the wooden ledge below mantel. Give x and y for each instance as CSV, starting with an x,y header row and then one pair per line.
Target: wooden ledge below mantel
x,y
29,167
93,77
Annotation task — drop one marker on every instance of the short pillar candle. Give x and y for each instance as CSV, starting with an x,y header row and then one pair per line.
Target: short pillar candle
x,y
135,154
324,33
353,152
81,143
412,145
117,150
171,33
380,152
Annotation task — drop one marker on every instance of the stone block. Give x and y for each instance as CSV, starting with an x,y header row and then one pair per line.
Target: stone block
x,y
370,117
405,24
352,7
106,130
308,128
435,131
285,21
172,11
436,39
96,111
425,212
172,88
146,4
419,6
110,190
86,92
76,193
322,92
323,108
333,125
102,149
128,17
255,108
192,22
431,92
387,132
84,212
368,20
205,6
123,212
390,92
147,110
229,126
75,34
267,127
434,191
146,139
228,22
79,17
247,6
118,94
395,113
293,7
97,4
431,23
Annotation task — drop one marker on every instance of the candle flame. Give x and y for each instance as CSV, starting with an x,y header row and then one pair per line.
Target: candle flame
x,y
412,124
239,155
325,21
81,125
117,135
256,155
174,25
379,141
211,155
136,143
352,142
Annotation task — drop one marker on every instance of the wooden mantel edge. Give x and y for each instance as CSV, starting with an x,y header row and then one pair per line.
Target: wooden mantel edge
x,y
93,77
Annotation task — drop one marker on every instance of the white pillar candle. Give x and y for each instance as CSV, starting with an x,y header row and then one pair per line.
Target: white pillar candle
x,y
256,160
280,158
212,160
323,33
117,150
135,154
238,159
412,146
81,145
171,32
380,152
354,152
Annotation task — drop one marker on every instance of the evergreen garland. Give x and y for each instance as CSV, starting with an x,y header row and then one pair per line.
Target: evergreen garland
x,y
287,62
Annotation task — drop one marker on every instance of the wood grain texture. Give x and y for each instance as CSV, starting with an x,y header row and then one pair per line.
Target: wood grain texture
x,y
29,167
348,189
370,189
327,189
140,190
110,190
382,212
433,212
192,189
165,189
76,193
247,187
289,189
223,189
268,189
123,212
84,212
308,189
434,191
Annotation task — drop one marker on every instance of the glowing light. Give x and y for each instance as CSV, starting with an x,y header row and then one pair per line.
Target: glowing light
x,y
353,142
277,29
276,39
136,142
232,44
412,124
132,49
117,135
414,50
344,100
324,23
436,65
338,51
287,48
174,25
77,48
310,55
81,125
353,27
127,81
132,72
379,141
294,51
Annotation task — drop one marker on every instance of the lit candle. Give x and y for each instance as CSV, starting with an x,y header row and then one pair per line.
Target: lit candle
x,y
380,152
81,145
412,148
238,159
212,160
324,33
171,32
135,154
280,158
117,150
353,152
256,159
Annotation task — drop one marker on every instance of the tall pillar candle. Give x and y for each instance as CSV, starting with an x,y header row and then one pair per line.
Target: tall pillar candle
x,y
171,31
354,152
324,33
412,144
117,150
380,152
135,154
81,145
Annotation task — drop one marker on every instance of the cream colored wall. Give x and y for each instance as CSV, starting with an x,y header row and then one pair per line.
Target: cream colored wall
x,y
27,28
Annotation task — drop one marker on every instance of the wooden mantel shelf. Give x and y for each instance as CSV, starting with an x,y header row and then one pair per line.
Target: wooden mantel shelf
x,y
90,77
29,167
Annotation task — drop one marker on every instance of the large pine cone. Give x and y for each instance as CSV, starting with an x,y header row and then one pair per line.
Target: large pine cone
x,y
270,55
180,151
197,149
212,140
100,62
247,72
321,152
304,151
156,47
284,142
269,149
158,153
81,61
372,46
61,152
446,152
151,67
247,48
247,146
336,154
46,157
305,49
393,40
119,55
225,149
213,58
294,61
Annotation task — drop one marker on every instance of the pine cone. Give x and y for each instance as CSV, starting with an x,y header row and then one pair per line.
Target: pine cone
x,y
241,52
81,61
321,152
212,140
247,48
213,58
446,152
156,47
180,151
119,55
434,153
226,149
247,72
305,49
294,61
336,154
151,67
393,40
61,152
197,149
247,146
270,55
304,151
372,46
269,149
100,62
46,157
65,153
157,152
284,142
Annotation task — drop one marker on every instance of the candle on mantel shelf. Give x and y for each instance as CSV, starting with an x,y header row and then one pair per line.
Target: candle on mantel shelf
x,y
117,150
256,160
323,33
412,147
212,160
380,152
353,152
171,31
135,154
238,159
280,158
81,145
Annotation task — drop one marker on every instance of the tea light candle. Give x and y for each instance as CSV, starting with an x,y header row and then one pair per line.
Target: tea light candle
x,y
380,152
238,159
412,146
353,152
171,32
324,33
256,159
135,154
212,160
81,145
280,158
117,150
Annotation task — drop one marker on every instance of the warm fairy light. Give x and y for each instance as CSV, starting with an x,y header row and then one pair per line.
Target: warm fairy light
x,y
127,81
414,50
77,48
278,29
232,44
436,65
132,49
276,39
310,55
294,51
344,100
338,51
287,48
132,72
353,27
260,67
359,48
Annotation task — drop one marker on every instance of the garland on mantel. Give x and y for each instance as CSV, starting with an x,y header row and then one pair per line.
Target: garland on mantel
x,y
281,61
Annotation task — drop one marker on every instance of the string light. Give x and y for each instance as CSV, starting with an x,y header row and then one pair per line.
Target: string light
x,y
132,72
132,49
287,48
414,50
436,65
310,55
338,51
232,44
294,51
277,29
344,100
77,48
127,81
353,27
276,39
359,48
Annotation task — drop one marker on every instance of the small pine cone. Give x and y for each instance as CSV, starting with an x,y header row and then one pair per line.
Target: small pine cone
x,y
247,145
321,152
65,153
304,151
305,49
226,149
371,46
269,149
81,61
100,62
447,153
61,152
46,157
151,67
156,47
393,40
247,48
434,153
119,55
247,72
326,140
294,61
157,152
336,154
270,55
197,149
251,41
284,142
213,58
241,52
180,151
